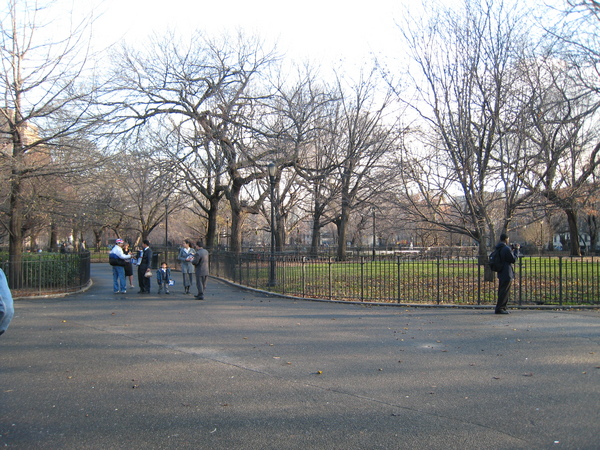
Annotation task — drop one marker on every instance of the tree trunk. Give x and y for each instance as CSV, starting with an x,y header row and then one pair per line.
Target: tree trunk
x,y
235,244
212,230
15,249
315,235
342,225
97,239
280,234
315,238
236,233
573,232
483,255
53,244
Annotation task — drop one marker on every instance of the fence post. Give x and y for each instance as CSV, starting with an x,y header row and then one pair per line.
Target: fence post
x,y
560,281
40,272
520,282
303,276
438,279
256,267
330,281
362,278
282,276
479,281
399,284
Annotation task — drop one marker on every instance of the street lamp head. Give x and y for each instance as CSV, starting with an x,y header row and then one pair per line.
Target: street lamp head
x,y
272,169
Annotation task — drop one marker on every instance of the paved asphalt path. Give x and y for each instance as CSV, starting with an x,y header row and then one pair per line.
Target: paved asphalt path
x,y
244,370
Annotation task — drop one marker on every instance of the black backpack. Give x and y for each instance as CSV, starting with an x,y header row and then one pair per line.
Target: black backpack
x,y
495,261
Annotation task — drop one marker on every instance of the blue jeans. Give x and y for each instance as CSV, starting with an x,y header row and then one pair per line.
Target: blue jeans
x,y
119,279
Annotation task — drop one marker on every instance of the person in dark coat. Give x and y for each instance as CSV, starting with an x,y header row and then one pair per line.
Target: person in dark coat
x,y
508,256
201,266
145,260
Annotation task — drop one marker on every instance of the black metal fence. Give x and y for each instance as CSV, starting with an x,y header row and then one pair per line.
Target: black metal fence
x,y
48,273
559,281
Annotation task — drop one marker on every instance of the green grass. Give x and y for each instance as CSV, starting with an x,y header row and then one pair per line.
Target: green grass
x,y
538,280
45,272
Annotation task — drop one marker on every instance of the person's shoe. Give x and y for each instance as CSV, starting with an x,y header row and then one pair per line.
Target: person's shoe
x,y
140,292
123,292
502,311
167,292
199,297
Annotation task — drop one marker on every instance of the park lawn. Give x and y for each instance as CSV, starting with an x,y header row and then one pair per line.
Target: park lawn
x,y
538,281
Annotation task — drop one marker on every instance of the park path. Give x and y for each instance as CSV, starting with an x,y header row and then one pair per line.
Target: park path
x,y
245,370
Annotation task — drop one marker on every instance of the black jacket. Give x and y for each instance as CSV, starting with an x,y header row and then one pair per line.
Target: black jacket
x,y
508,257
146,258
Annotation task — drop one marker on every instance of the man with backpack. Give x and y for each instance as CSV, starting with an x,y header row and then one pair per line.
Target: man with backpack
x,y
507,256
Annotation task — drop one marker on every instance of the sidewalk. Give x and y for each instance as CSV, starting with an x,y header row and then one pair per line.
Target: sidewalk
x,y
243,370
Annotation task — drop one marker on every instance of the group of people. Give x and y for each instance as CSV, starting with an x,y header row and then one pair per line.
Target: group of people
x,y
193,258
194,262
121,260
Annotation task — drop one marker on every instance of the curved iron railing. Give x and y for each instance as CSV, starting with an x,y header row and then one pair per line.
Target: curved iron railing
x,y
42,274
409,279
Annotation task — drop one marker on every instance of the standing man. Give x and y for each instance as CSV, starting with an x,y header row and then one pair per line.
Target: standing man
x,y
508,256
200,262
145,262
118,260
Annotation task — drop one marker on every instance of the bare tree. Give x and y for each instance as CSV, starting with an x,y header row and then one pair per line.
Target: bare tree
x,y
298,109
316,167
452,174
144,194
365,131
563,153
207,89
45,101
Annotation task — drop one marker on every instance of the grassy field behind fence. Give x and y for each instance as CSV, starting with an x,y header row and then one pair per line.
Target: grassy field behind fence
x,y
539,280
49,273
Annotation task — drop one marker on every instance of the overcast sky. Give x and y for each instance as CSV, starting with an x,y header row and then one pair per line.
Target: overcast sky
x,y
320,30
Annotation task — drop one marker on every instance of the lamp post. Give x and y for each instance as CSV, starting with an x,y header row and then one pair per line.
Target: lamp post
x,y
166,229
374,237
272,170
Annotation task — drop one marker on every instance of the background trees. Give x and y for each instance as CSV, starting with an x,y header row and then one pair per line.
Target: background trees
x,y
205,90
455,174
47,110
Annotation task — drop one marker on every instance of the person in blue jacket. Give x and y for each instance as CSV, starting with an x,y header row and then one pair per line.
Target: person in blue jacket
x,y
508,256
7,310
163,278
